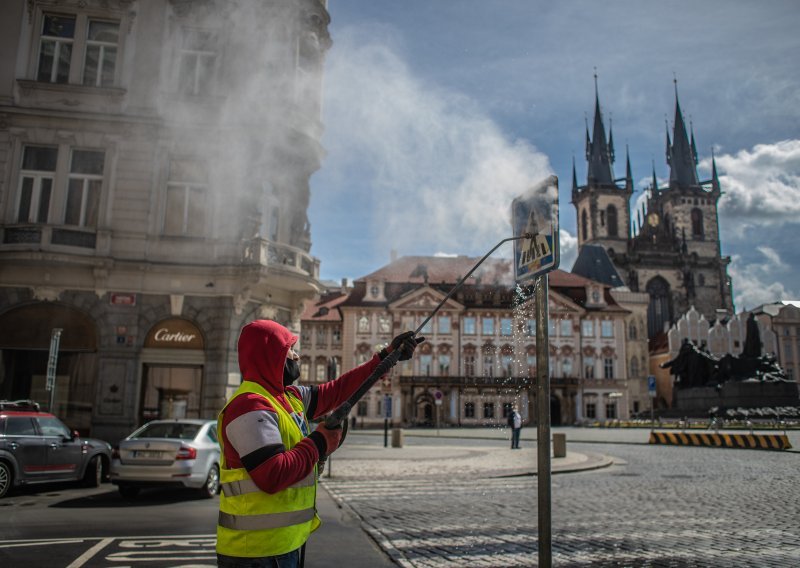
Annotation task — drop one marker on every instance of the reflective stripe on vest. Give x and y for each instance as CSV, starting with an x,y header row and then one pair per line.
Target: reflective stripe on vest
x,y
245,486
253,523
260,522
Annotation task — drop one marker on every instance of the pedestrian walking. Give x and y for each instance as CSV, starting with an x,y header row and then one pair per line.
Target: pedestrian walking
x,y
269,453
515,422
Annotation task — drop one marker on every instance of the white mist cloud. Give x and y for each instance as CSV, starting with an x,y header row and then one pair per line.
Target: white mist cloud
x,y
568,249
438,174
757,283
761,186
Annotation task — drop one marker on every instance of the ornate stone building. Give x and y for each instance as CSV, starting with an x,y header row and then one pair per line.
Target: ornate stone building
x,y
670,249
480,354
154,166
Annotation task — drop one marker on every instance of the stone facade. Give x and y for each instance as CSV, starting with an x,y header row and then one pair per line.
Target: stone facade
x,y
154,168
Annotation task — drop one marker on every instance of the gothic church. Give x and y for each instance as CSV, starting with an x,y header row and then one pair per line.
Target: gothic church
x,y
670,248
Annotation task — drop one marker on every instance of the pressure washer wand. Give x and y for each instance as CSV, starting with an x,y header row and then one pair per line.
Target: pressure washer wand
x,y
335,418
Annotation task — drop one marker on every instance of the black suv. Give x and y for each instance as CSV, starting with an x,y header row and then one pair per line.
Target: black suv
x,y
36,447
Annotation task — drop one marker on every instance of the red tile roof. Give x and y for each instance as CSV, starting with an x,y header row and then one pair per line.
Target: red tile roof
x,y
324,309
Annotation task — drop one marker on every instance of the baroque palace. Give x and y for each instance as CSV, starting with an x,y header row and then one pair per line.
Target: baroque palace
x,y
480,352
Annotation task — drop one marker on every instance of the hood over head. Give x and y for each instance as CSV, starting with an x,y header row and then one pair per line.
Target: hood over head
x,y
263,346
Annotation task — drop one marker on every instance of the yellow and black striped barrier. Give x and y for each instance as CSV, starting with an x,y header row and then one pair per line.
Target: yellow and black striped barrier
x,y
715,440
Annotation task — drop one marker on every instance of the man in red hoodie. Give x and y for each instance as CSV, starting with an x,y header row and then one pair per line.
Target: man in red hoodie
x,y
269,454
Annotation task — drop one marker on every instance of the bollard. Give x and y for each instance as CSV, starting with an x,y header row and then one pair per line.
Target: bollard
x,y
397,437
559,445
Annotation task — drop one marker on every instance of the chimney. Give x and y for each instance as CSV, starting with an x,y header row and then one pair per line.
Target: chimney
x,y
344,285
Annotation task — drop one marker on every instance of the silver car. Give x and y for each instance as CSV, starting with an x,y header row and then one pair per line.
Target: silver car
x,y
181,452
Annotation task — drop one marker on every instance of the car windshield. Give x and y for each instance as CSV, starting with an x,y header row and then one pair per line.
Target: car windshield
x,y
168,430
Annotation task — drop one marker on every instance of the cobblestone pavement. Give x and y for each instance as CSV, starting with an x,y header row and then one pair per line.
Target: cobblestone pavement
x,y
656,506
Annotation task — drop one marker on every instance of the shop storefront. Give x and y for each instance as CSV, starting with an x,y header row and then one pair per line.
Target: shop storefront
x,y
172,361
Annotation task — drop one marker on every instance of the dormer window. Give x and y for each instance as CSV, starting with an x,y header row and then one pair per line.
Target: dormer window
x,y
374,291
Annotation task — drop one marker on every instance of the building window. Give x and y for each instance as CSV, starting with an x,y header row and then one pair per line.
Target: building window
x,y
530,327
469,326
427,328
322,372
187,191
425,364
505,326
198,58
508,365
488,410
506,409
606,328
632,331
611,410
488,326
585,225
362,408
337,336
532,365
322,337
697,224
385,324
469,365
36,184
591,410
587,328
488,365
305,368
444,365
363,324
469,410
551,327
55,48
588,367
608,368
83,191
634,367
566,328
101,53
566,366
611,216
444,324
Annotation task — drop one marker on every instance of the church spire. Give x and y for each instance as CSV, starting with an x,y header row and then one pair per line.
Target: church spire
x,y
714,176
680,153
574,176
628,172
598,153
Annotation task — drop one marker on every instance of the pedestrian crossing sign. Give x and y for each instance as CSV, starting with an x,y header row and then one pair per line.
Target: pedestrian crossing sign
x,y
535,213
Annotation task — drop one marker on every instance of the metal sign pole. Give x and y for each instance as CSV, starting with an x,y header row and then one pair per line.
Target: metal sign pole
x,y
52,364
543,422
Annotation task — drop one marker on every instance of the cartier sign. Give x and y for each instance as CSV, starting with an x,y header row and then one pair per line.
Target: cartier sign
x,y
174,334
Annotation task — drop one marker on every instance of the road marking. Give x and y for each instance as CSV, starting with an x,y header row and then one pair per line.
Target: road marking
x,y
86,556
41,542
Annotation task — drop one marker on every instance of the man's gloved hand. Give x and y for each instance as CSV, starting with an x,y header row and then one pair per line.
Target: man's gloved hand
x,y
406,342
332,437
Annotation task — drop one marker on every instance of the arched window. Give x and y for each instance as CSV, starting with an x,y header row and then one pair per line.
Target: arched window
x,y
585,225
632,330
659,312
611,220
634,367
697,224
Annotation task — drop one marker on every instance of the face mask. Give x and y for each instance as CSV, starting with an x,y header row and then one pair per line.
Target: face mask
x,y
291,372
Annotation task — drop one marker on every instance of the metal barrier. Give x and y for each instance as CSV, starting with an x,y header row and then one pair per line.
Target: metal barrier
x,y
741,441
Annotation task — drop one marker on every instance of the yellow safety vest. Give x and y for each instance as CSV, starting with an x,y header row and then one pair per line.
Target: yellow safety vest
x,y
253,523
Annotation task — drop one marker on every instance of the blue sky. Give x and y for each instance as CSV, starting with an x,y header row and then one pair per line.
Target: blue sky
x,y
438,113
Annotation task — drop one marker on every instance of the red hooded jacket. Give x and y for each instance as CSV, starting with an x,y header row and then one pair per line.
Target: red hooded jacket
x,y
251,438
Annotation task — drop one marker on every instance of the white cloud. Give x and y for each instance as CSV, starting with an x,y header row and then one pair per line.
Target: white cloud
x,y
757,283
760,186
568,249
433,169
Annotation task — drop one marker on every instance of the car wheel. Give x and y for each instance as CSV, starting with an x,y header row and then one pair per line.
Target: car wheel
x,y
211,486
94,473
6,477
128,491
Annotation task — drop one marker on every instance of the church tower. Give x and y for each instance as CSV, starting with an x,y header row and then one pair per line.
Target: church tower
x,y
602,205
674,251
